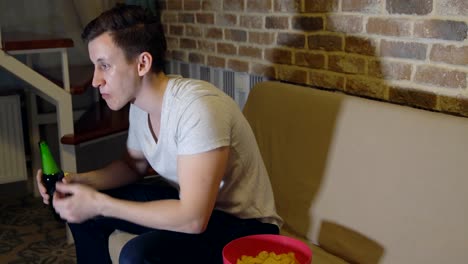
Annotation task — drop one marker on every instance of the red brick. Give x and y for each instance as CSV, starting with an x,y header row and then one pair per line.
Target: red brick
x,y
450,54
363,6
319,6
176,30
307,23
251,21
188,43
192,5
398,27
259,6
407,50
366,87
418,7
292,40
238,65
441,29
172,42
233,5
440,77
452,7
196,58
226,20
345,23
251,52
310,60
412,97
174,4
292,74
263,70
226,48
207,46
325,42
217,62
168,17
325,79
276,22
193,31
205,18
293,6
262,38
454,105
359,45
187,18
212,5
347,64
280,56
235,35
389,70
179,55
214,33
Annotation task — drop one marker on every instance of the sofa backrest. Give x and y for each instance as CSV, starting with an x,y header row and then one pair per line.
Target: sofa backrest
x,y
393,174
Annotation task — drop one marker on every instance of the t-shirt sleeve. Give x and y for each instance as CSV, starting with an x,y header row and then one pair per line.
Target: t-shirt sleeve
x,y
132,138
204,125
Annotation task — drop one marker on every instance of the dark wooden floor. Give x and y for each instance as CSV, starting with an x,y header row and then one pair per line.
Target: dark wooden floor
x,y
16,189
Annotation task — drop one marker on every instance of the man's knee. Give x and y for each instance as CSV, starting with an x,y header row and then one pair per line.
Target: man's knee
x,y
134,251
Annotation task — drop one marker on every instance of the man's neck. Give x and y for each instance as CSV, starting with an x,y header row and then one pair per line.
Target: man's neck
x,y
151,95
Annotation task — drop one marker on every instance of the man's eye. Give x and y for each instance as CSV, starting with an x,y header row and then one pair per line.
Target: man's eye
x,y
105,66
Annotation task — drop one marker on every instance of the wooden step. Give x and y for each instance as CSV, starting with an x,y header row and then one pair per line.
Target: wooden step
x,y
14,41
97,122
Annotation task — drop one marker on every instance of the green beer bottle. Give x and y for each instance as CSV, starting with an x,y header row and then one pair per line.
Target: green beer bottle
x,y
50,173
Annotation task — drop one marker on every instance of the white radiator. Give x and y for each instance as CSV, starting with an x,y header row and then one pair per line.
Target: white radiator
x,y
12,156
235,84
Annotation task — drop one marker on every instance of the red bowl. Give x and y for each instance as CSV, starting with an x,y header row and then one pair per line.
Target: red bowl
x,y
254,244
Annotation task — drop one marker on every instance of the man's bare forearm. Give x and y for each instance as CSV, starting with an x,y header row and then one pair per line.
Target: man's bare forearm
x,y
130,168
116,174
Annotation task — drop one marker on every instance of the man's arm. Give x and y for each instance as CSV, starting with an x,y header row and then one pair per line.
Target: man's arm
x,y
130,168
119,173
199,177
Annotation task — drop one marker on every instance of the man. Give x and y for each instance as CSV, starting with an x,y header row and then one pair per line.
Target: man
x,y
215,186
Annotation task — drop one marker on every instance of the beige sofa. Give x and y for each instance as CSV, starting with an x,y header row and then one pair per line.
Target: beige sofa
x,y
362,181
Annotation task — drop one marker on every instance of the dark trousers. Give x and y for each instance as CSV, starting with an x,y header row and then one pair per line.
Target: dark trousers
x,y
160,246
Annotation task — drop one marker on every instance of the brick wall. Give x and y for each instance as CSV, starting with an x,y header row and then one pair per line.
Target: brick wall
x,y
412,52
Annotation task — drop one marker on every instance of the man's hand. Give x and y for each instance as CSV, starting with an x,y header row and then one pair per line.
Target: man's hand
x,y
80,203
41,187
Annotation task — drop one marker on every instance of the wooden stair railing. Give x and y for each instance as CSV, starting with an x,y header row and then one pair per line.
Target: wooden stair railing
x,y
20,43
59,95
97,122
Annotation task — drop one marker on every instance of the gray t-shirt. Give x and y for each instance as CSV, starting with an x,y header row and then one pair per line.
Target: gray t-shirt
x,y
197,117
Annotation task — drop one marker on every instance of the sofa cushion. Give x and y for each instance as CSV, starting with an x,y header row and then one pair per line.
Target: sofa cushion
x,y
118,239
393,174
116,242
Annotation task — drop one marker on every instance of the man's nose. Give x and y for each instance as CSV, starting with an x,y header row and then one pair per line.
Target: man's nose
x,y
98,81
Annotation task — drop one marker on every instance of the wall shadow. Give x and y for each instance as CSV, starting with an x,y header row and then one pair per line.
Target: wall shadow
x,y
296,146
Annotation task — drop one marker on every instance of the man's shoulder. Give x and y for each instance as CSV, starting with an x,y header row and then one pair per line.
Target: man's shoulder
x,y
187,89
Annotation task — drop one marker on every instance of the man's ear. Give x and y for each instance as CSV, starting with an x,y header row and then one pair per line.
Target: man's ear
x,y
144,63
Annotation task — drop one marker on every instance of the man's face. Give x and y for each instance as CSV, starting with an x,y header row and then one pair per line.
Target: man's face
x,y
115,77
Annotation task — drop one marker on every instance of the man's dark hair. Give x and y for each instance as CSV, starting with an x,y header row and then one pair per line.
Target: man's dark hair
x,y
133,29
